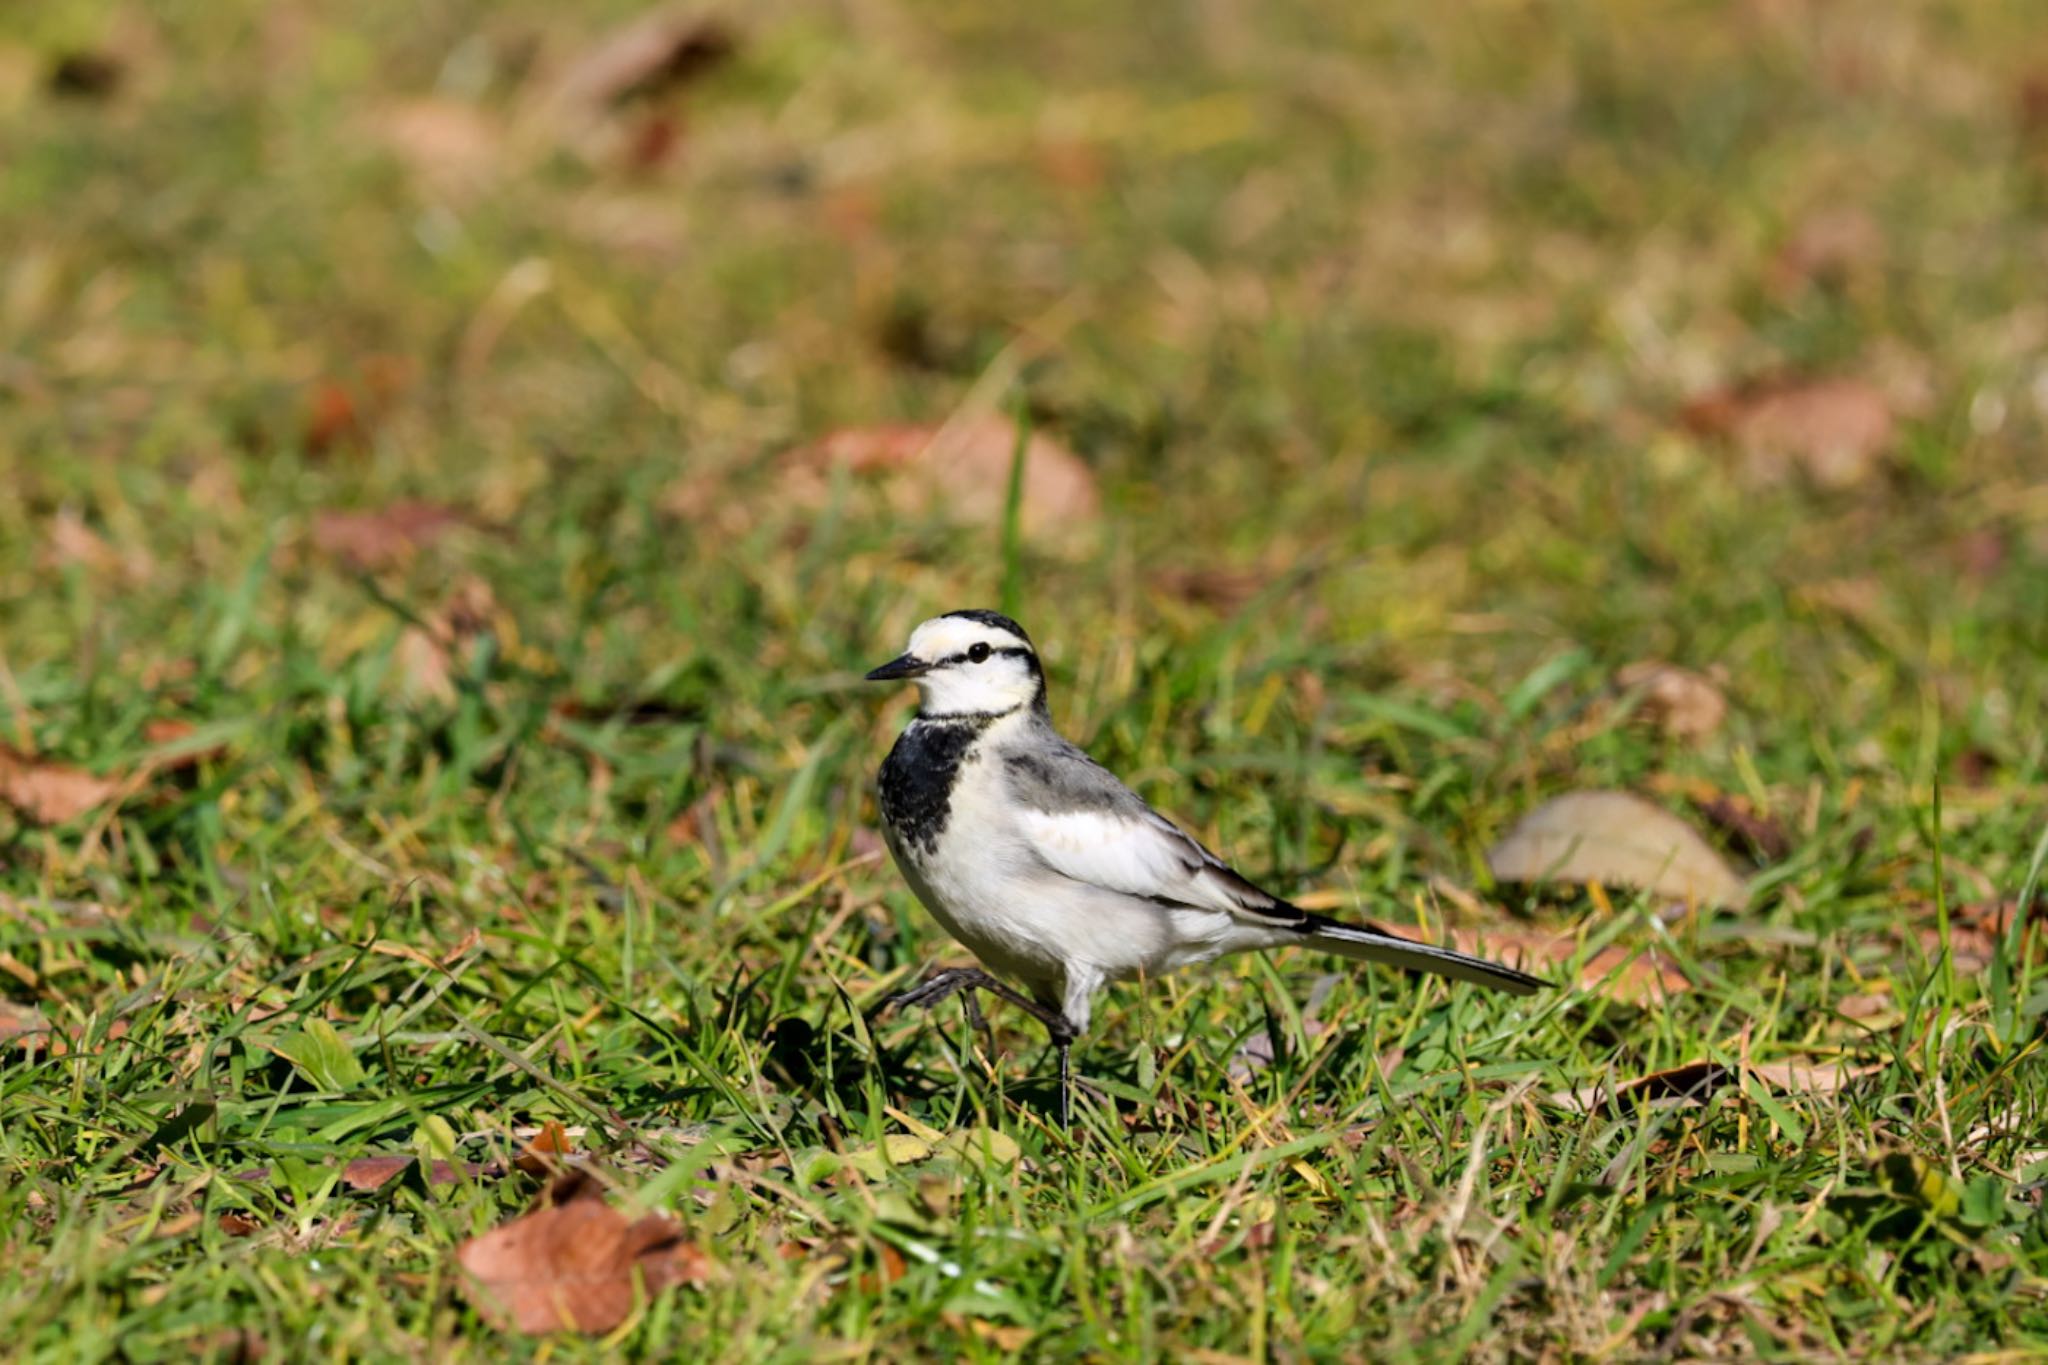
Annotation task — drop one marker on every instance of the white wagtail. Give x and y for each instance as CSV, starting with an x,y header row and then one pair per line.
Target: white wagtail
x,y
1049,869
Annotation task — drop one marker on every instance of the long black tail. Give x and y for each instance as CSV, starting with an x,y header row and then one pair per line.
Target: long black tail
x,y
1376,945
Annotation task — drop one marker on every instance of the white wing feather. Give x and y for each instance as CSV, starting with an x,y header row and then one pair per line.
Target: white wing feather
x,y
1145,856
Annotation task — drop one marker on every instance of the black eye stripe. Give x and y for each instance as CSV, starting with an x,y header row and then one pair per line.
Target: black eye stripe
x,y
963,657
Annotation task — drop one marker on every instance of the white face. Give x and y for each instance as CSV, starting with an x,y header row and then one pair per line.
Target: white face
x,y
967,667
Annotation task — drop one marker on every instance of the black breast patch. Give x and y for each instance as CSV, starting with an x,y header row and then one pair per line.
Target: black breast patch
x,y
917,777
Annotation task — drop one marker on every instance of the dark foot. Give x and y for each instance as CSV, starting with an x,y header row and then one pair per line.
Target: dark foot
x,y
940,986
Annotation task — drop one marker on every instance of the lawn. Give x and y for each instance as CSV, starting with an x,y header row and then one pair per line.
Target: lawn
x,y
457,460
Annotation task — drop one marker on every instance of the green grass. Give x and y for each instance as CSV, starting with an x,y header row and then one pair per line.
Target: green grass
x,y
1375,324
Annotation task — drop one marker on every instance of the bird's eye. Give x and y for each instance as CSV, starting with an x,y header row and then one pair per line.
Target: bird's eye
x,y
977,653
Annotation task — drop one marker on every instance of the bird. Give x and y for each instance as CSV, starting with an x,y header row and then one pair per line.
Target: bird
x,y
1051,871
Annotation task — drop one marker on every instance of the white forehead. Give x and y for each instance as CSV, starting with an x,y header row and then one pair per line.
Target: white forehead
x,y
944,636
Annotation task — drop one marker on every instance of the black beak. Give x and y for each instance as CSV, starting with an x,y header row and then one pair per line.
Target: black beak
x,y
903,666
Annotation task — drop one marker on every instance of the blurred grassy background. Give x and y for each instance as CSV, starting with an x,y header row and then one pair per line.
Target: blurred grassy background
x,y
411,495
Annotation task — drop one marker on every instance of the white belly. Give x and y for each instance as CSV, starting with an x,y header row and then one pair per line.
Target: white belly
x,y
1057,936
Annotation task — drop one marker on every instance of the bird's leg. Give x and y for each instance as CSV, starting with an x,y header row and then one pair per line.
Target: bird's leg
x,y
978,1022
953,980
1066,1048
938,986
1063,1038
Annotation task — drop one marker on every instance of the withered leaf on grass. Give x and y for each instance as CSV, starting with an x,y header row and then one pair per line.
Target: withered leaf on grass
x,y
51,793
383,536
430,651
451,147
575,1263
1697,1082
1832,431
545,1153
961,469
21,1021
1683,704
1615,839
662,47
1739,818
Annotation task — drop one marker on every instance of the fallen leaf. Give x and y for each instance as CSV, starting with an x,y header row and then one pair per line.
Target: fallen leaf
x,y
1008,1338
961,469
1976,929
575,1263
22,1022
1214,586
1829,246
1697,1082
385,536
1683,704
1615,839
235,1224
451,147
1865,1005
1812,1078
1833,431
330,417
662,48
73,543
889,1268
50,793
374,1172
1736,817
170,734
543,1155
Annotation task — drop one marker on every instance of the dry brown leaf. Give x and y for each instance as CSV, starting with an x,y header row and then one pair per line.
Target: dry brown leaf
x,y
1976,929
575,1263
663,47
543,1155
1831,246
1813,1078
73,543
1615,839
22,1021
1683,704
1865,1005
51,793
1833,431
889,1268
429,652
1697,1082
384,536
450,146
1219,588
234,1224
166,732
1005,1337
961,469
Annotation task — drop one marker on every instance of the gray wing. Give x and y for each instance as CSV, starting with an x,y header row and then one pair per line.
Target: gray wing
x,y
1086,825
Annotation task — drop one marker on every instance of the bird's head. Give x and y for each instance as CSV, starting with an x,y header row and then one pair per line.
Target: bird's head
x,y
969,663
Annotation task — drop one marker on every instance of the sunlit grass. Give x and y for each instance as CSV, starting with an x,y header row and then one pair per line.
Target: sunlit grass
x,y
1376,327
